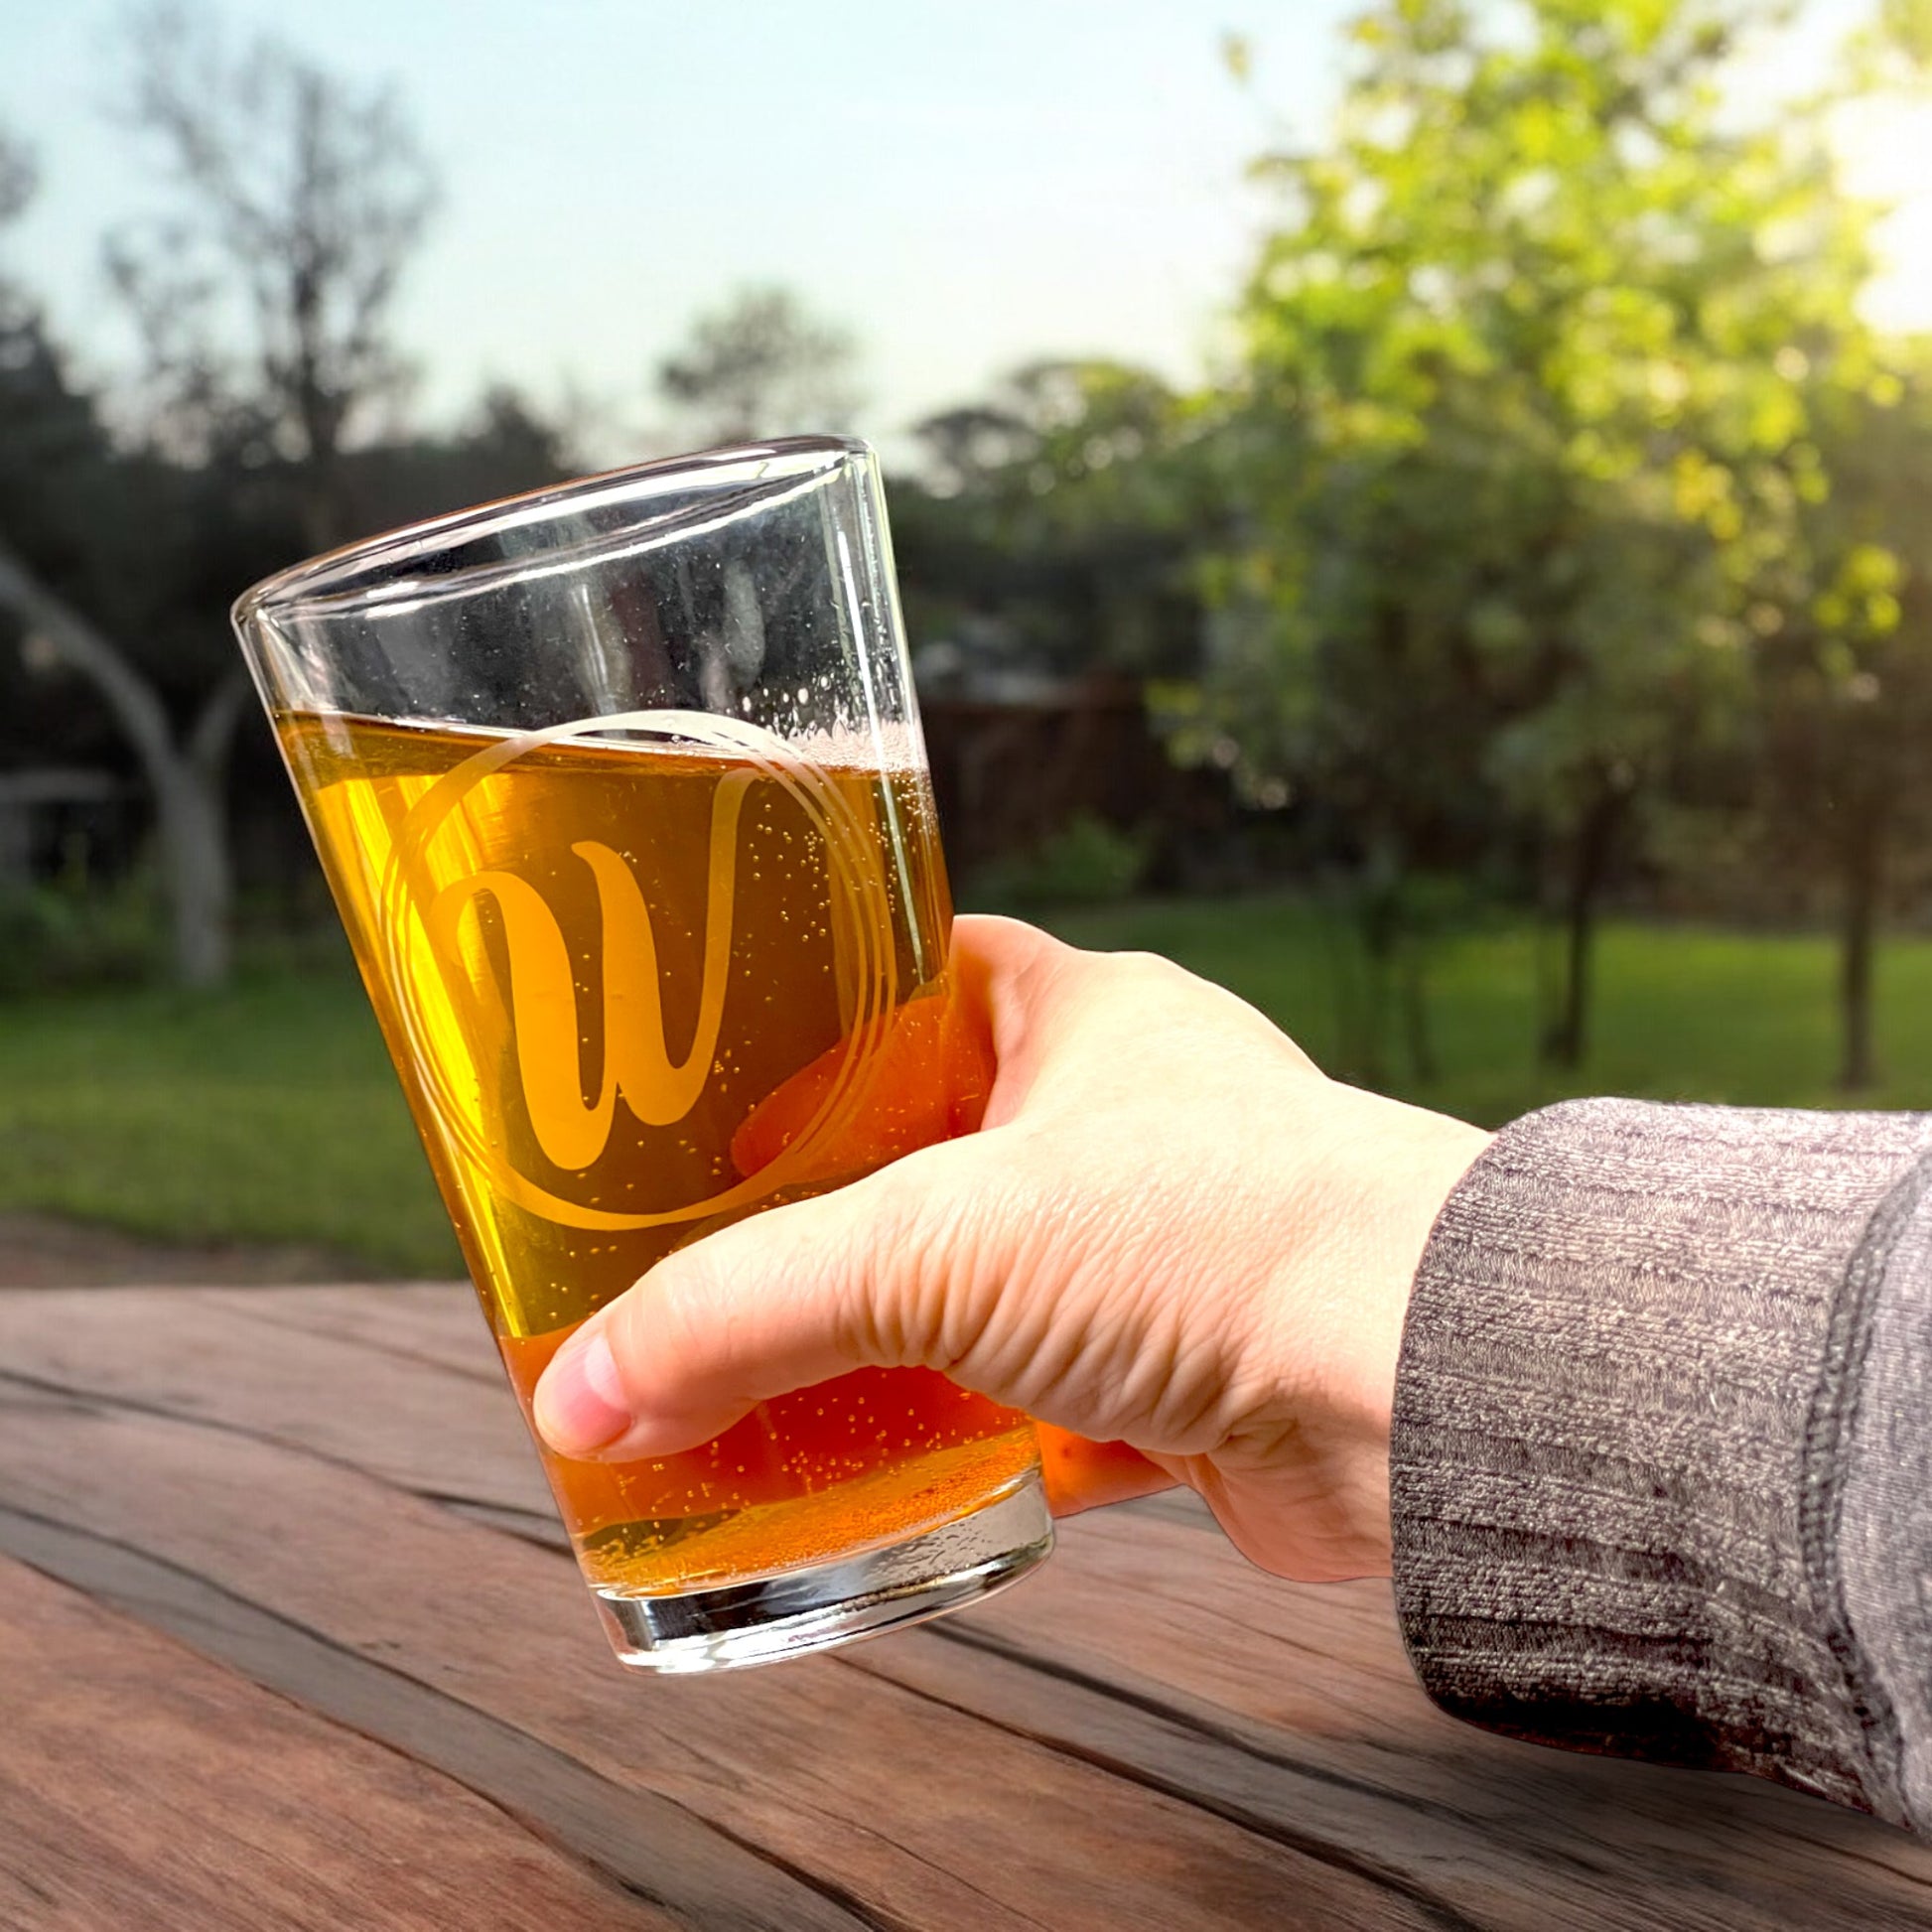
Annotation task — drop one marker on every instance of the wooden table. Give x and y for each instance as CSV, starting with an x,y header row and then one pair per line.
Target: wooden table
x,y
287,1641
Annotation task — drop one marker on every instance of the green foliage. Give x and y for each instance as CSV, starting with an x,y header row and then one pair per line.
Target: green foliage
x,y
72,934
266,1113
1386,931
761,365
1526,344
1847,659
1686,1012
1085,863
1907,26
1528,431
1068,504
1844,666
269,1113
1896,47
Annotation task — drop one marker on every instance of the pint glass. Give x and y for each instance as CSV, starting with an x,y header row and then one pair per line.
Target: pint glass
x,y
620,791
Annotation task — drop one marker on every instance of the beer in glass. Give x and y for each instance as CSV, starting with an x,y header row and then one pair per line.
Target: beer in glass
x,y
620,792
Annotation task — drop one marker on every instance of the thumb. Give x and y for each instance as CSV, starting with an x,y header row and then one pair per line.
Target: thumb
x,y
892,1270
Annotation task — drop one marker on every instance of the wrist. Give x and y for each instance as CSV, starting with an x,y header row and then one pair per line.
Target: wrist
x,y
1388,1171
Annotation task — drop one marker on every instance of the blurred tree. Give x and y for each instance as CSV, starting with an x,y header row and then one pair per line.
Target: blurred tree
x,y
504,445
85,539
264,304
761,365
16,176
1847,685
1520,434
1064,504
265,300
1895,48
252,433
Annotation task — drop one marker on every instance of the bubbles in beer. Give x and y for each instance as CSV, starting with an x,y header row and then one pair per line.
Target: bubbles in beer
x,y
781,1039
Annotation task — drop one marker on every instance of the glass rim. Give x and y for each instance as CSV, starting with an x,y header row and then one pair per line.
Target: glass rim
x,y
341,572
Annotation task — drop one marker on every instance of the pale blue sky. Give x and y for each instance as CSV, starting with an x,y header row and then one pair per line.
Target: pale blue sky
x,y
965,182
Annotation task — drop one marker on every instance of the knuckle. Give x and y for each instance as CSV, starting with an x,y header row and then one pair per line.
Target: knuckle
x,y
882,1287
665,1326
1141,968
927,1233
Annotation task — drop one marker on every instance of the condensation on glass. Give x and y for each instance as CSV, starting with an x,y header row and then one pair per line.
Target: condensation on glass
x,y
620,791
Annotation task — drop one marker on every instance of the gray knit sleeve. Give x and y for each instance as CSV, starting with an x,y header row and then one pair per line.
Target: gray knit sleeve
x,y
1662,1455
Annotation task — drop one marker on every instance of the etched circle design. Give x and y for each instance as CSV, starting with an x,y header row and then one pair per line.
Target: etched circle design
x,y
861,930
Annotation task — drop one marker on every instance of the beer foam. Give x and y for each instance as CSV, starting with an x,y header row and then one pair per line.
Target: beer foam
x,y
892,747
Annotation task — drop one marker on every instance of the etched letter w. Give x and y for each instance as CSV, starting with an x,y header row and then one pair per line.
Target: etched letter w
x,y
542,994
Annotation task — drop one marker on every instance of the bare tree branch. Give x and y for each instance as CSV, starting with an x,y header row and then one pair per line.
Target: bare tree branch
x,y
213,728
18,177
185,782
186,789
763,365
267,296
87,650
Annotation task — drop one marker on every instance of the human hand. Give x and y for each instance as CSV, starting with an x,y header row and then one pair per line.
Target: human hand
x,y
1172,1237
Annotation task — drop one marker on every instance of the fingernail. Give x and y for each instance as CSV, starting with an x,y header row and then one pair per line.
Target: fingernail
x,y
580,1403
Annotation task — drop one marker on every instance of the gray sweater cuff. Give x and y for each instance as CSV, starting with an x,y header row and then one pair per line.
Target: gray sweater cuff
x,y
1636,1488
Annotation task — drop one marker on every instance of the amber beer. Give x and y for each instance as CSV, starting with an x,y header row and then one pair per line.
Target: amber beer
x,y
641,978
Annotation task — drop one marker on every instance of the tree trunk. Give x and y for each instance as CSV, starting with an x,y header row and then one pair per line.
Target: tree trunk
x,y
1377,908
185,782
195,859
1353,1047
1423,1064
1372,1057
198,849
1863,856
1567,1031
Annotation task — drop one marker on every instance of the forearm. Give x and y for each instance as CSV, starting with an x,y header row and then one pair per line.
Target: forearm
x,y
1661,1459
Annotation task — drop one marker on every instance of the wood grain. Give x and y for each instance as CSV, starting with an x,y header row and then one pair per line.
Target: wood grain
x,y
141,1785
299,1366
929,1817
330,1489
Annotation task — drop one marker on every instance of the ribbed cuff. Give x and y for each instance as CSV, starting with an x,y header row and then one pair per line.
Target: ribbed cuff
x,y
1617,1353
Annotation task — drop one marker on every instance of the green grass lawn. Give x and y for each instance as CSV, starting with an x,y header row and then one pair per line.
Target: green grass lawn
x,y
269,1114
1682,1013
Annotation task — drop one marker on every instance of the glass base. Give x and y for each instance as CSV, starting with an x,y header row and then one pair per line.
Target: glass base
x,y
826,1604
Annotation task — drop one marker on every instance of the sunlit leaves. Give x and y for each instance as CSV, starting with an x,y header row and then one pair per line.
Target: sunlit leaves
x,y
1540,298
